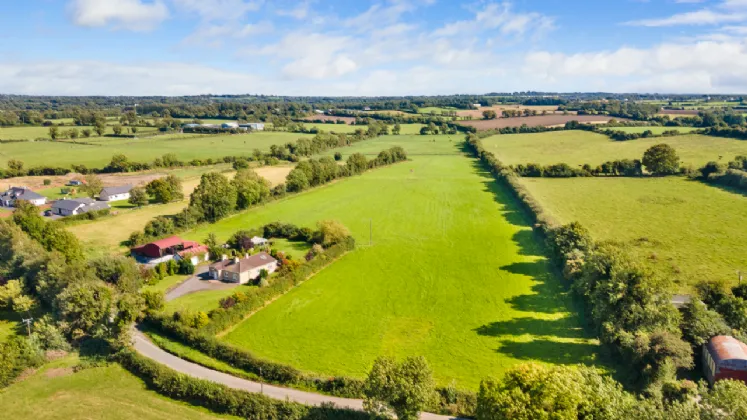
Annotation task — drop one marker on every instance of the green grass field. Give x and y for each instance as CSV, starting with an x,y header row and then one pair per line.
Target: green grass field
x,y
683,229
66,153
32,133
9,323
414,144
437,110
580,147
454,274
655,130
55,392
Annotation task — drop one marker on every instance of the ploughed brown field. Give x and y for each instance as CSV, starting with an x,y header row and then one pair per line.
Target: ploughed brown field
x,y
348,120
477,113
544,121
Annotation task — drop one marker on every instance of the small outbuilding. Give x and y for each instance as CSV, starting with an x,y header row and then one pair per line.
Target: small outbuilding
x,y
725,357
115,193
259,241
242,270
253,126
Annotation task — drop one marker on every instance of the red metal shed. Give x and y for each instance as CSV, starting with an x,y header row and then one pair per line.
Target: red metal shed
x,y
166,246
725,357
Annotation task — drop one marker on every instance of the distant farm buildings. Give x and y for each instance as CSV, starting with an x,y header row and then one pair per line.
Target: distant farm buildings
x,y
725,357
166,249
253,126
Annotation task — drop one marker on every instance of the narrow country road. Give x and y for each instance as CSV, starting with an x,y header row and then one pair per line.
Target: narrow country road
x,y
146,348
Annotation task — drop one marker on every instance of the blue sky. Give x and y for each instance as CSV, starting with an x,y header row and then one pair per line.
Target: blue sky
x,y
362,47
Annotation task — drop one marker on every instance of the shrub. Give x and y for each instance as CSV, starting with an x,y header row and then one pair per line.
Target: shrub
x,y
47,182
16,355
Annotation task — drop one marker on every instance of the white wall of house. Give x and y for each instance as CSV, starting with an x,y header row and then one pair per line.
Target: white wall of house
x,y
115,197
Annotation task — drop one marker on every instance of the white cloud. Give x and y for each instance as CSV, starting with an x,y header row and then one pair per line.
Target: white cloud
x,y
700,17
300,12
498,18
123,14
219,9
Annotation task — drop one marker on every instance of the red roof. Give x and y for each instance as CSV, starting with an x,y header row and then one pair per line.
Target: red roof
x,y
156,249
724,347
194,250
172,241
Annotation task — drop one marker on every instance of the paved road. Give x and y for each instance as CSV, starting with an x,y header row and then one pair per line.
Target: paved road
x,y
145,347
197,283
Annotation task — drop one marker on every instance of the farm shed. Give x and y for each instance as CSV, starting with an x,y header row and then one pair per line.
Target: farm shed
x,y
253,126
115,193
195,254
165,247
236,270
8,198
725,357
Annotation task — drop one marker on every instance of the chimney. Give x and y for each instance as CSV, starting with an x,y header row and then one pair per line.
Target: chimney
x,y
224,257
235,260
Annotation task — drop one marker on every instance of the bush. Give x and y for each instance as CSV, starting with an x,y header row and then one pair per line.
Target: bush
x,y
16,355
47,182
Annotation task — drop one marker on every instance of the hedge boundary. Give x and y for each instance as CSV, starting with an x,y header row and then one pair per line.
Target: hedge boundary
x,y
222,399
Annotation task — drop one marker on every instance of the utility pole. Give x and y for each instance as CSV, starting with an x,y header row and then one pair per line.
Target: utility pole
x,y
27,321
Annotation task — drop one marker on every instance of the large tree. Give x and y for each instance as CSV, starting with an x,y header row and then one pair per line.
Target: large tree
x,y
166,190
405,388
296,180
661,159
214,197
138,197
92,185
250,188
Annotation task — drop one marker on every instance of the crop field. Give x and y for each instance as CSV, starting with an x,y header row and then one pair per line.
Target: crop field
x,y
683,229
580,147
542,120
477,113
655,130
55,392
65,154
32,133
345,128
453,273
332,118
106,235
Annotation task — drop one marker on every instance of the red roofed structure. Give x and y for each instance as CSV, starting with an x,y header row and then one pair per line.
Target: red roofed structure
x,y
167,246
725,357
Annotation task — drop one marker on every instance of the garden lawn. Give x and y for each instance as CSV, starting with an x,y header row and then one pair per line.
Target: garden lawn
x,y
453,274
683,229
65,153
204,301
580,147
55,392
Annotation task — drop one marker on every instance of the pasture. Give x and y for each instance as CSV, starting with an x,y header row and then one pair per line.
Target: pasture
x,y
682,229
64,153
56,392
580,147
453,273
33,133
654,129
345,128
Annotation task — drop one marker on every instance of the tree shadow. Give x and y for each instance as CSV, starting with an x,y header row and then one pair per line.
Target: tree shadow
x,y
726,188
562,327
560,353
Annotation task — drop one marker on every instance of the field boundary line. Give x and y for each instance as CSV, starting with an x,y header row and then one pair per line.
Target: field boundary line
x,y
264,305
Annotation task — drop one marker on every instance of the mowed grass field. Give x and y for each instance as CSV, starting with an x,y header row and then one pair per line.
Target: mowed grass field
x,y
580,147
453,273
64,153
347,128
683,229
55,392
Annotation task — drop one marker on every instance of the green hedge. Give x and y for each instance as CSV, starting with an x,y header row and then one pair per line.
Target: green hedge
x,y
222,399
91,215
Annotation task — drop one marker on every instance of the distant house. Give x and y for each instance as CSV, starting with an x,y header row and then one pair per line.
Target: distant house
x,y
115,193
191,125
368,108
75,206
476,105
319,111
236,270
253,126
725,357
259,241
229,125
166,247
9,198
